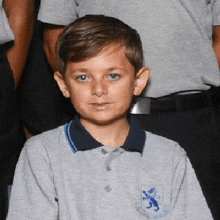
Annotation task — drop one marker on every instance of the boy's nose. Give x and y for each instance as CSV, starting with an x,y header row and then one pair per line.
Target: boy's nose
x,y
99,88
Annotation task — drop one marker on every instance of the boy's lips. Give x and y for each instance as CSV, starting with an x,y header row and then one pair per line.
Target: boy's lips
x,y
101,106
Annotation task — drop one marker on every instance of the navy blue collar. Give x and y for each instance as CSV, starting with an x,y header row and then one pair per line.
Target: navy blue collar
x,y
80,139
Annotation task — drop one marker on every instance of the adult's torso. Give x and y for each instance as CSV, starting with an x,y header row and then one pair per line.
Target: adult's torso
x,y
176,36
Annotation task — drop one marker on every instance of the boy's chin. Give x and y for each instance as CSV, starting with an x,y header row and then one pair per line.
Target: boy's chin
x,y
104,121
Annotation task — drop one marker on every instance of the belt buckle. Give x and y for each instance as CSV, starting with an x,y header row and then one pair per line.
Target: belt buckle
x,y
141,106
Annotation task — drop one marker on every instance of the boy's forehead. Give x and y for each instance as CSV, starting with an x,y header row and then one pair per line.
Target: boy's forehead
x,y
107,51
111,57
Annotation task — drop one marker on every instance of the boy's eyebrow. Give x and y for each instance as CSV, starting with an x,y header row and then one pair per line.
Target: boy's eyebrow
x,y
116,68
85,70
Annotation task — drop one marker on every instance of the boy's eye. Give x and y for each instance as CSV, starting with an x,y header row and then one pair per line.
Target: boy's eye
x,y
113,76
82,78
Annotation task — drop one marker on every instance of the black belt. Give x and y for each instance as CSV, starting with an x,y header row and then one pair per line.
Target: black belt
x,y
171,103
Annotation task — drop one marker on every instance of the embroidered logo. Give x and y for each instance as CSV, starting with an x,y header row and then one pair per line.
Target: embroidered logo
x,y
150,197
152,203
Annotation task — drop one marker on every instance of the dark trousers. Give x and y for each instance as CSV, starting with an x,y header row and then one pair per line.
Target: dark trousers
x,y
42,106
9,131
198,132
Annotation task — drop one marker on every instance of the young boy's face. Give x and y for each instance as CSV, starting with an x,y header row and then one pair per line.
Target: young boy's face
x,y
102,87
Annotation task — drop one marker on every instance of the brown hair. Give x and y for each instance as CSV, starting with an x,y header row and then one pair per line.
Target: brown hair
x,y
87,36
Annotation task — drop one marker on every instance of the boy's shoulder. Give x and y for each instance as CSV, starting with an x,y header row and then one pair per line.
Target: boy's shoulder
x,y
50,134
162,146
48,139
45,148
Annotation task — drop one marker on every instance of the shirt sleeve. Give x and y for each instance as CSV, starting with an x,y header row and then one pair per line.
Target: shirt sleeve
x,y
33,194
57,12
216,12
6,34
188,201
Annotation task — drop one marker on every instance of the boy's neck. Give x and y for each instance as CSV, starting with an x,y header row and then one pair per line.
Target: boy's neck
x,y
112,134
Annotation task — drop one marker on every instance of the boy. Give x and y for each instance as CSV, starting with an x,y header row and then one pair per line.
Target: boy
x,y
102,165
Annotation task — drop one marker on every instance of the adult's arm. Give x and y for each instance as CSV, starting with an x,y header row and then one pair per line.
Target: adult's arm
x,y
21,15
216,42
51,34
55,15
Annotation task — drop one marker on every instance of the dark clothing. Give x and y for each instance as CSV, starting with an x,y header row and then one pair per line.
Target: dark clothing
x,y
9,130
41,103
196,128
78,136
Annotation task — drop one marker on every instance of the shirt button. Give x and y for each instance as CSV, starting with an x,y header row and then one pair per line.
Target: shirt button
x,y
103,151
108,168
108,188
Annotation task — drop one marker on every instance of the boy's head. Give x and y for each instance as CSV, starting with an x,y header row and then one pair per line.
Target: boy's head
x,y
100,61
87,36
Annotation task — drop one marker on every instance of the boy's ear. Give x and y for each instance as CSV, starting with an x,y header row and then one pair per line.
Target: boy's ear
x,y
61,83
142,78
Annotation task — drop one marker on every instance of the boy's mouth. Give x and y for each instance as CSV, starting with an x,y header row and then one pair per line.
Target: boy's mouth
x,y
101,106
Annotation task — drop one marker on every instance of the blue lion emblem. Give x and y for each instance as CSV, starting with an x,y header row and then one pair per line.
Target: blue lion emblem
x,y
150,197
152,202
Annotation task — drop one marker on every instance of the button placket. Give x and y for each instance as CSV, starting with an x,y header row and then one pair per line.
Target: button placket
x,y
106,182
112,155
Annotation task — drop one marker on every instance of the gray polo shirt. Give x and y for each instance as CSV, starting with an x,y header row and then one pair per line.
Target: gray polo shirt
x,y
66,174
176,37
6,33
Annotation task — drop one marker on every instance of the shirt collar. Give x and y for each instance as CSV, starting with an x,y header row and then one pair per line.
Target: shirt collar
x,y
80,139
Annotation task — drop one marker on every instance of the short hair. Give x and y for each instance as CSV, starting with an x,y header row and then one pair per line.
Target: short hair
x,y
87,36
